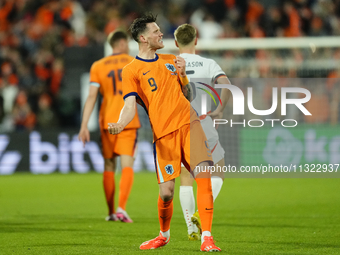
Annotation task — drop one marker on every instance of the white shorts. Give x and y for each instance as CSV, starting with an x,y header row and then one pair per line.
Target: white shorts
x,y
215,146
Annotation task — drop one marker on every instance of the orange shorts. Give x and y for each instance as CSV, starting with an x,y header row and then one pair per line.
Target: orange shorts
x,y
121,144
174,148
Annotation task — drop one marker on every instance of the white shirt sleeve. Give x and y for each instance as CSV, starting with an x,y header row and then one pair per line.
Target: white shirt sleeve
x,y
215,71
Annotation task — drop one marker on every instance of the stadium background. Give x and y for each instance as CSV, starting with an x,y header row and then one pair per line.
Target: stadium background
x,y
47,48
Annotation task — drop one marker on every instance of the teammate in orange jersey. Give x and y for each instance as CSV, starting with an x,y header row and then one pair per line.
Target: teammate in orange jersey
x,y
106,77
159,83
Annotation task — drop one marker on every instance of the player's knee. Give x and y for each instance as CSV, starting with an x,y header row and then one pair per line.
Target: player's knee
x,y
167,194
166,190
167,197
126,161
187,181
109,166
218,174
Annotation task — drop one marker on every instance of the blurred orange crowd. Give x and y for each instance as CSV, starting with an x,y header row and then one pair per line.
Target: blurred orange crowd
x,y
34,34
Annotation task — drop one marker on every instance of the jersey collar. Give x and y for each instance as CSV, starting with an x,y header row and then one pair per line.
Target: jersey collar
x,y
148,60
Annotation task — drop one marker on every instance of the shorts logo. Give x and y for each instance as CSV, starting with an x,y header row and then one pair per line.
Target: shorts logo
x,y
169,169
170,67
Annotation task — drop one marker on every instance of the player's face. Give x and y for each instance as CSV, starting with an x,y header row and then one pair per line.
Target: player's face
x,y
154,36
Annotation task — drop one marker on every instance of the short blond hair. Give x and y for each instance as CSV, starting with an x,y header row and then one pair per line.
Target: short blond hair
x,y
185,34
116,36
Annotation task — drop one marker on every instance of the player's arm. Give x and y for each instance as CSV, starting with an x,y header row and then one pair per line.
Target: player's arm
x,y
186,87
84,134
126,116
187,91
225,95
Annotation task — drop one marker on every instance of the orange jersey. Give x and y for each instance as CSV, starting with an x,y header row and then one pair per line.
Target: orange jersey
x,y
106,74
157,87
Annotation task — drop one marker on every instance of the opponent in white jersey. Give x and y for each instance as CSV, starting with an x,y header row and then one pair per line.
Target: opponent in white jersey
x,y
209,73
205,71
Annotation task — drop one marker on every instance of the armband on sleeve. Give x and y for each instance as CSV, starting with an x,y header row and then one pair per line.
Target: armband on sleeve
x,y
184,80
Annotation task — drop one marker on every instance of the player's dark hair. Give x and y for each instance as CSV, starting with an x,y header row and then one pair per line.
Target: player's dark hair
x,y
185,34
138,26
116,36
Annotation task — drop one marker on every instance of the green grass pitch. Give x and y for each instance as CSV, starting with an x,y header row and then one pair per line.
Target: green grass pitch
x,y
64,214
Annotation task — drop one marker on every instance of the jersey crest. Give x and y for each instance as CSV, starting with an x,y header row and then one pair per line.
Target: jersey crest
x,y
169,169
170,67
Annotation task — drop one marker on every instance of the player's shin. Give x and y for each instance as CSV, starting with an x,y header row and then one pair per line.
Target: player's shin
x,y
109,189
205,202
216,184
187,200
165,211
125,186
217,178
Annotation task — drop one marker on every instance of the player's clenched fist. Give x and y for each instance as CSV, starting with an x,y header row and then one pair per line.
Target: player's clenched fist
x,y
180,65
115,128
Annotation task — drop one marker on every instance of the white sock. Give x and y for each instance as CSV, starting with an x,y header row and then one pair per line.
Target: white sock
x,y
166,234
205,233
187,199
216,185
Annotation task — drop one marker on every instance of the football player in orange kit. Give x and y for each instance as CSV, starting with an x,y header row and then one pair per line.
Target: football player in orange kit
x,y
106,78
158,82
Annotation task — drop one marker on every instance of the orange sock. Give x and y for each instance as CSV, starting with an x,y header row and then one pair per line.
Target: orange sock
x,y
165,210
205,202
109,189
125,186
